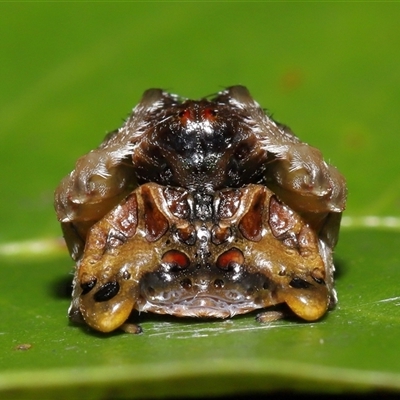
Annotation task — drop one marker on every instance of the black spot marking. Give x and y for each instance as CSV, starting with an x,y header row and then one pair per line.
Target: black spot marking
x,y
88,286
266,285
298,283
318,280
186,283
107,291
126,275
219,283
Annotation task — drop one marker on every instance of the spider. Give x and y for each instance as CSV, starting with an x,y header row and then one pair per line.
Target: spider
x,y
201,208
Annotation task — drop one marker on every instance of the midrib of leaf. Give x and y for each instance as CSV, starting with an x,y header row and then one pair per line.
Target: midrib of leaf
x,y
323,377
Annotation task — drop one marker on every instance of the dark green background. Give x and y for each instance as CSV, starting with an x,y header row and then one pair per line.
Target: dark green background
x,y
70,72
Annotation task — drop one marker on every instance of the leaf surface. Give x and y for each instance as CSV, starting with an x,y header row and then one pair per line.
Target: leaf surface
x,y
72,71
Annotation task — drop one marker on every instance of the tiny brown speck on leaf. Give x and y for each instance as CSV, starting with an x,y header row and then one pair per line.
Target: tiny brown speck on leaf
x,y
23,346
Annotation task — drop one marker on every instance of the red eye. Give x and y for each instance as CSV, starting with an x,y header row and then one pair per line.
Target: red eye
x,y
185,116
209,114
230,258
176,259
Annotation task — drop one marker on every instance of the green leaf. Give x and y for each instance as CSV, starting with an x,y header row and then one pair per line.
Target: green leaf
x,y
350,349
72,71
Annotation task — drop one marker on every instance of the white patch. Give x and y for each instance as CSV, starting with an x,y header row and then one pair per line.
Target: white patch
x,y
390,300
371,221
40,247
